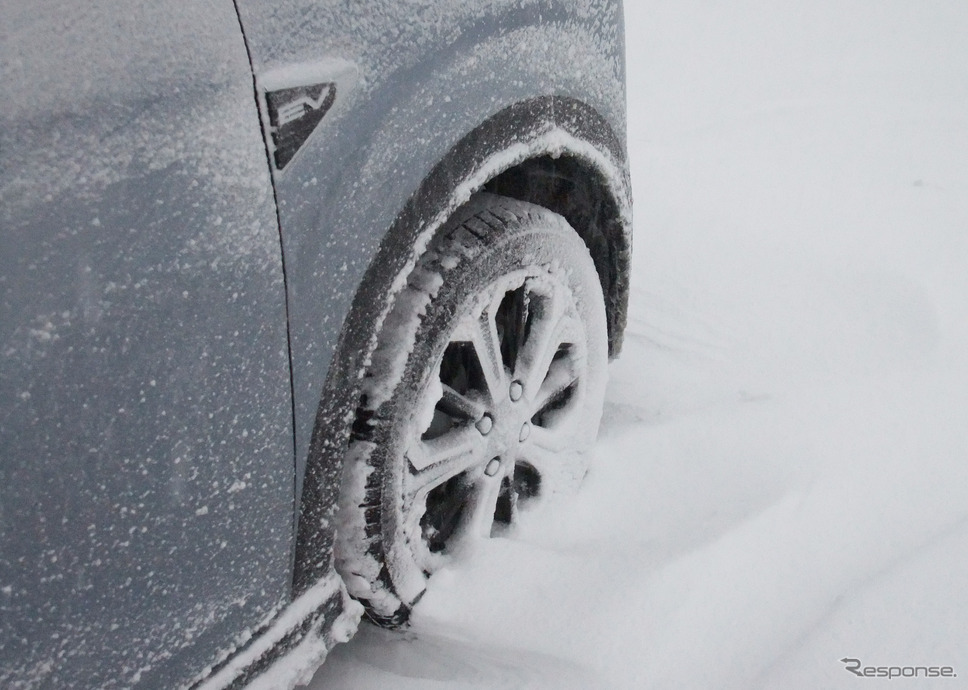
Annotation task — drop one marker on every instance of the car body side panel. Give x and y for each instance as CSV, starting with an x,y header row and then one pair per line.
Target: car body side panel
x,y
146,457
427,74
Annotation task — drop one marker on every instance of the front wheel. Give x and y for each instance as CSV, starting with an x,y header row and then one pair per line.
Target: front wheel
x,y
482,396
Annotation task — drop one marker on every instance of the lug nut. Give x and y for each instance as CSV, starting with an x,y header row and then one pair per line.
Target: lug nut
x,y
516,390
492,467
485,424
525,432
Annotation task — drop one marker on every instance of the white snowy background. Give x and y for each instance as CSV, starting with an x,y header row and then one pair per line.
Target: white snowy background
x,y
782,475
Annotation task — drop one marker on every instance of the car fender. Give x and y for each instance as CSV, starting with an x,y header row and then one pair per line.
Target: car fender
x,y
383,170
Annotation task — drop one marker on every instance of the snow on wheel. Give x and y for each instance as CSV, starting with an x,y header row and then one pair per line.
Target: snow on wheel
x,y
483,393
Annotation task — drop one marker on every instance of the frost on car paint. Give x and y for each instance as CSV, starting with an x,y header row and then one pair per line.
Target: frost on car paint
x,y
142,345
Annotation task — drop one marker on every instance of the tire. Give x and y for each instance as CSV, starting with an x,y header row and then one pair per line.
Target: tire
x,y
481,399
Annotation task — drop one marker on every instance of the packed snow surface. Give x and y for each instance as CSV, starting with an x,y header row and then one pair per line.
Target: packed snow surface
x,y
781,480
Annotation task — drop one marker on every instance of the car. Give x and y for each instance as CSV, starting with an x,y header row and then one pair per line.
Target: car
x,y
299,300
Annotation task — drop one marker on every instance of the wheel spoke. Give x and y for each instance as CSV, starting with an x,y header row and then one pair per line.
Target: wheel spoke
x,y
481,505
459,406
538,350
546,440
541,458
562,374
488,346
439,459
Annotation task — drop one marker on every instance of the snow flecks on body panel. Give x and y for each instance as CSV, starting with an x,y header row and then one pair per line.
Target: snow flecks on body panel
x,y
142,340
391,36
522,63
85,158
59,57
102,96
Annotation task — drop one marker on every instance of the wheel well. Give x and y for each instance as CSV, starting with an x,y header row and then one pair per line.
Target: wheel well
x,y
575,190
571,184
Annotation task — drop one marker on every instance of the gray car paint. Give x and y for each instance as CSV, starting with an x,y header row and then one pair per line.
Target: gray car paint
x,y
150,474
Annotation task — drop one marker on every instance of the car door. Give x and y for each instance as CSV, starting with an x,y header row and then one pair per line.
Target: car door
x,y
146,443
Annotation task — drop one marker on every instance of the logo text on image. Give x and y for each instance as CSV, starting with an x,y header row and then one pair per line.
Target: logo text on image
x,y
891,672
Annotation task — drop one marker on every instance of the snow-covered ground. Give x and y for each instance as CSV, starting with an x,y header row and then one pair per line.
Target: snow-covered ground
x,y
782,476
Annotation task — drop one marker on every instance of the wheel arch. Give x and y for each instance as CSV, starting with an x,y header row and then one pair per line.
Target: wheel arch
x,y
573,188
553,151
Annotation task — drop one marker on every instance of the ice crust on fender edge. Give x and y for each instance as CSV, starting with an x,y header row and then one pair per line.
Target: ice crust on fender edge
x,y
374,553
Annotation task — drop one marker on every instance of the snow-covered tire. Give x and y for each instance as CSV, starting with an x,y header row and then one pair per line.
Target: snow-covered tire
x,y
481,399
